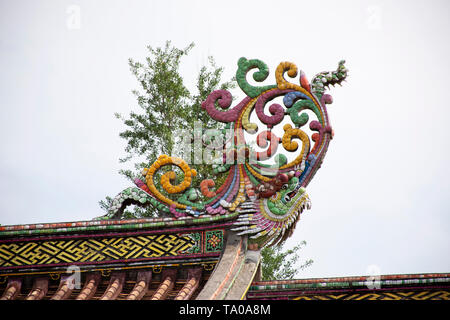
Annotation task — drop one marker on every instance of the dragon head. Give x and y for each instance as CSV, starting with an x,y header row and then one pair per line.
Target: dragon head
x,y
286,198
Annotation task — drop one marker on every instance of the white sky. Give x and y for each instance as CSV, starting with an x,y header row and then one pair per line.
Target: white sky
x,y
382,195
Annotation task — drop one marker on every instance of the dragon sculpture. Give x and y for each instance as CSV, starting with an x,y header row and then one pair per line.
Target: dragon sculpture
x,y
264,200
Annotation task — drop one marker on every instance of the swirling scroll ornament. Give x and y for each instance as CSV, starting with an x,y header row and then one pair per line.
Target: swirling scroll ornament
x,y
244,66
264,200
223,99
164,160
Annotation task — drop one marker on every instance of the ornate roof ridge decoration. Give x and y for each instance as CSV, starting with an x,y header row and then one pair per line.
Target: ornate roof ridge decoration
x,y
264,200
110,225
428,286
257,205
359,280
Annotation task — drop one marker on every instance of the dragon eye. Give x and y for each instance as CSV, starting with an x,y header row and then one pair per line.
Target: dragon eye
x,y
284,187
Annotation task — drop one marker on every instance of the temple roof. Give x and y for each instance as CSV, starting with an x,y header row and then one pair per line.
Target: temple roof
x,y
125,259
430,286
169,258
182,284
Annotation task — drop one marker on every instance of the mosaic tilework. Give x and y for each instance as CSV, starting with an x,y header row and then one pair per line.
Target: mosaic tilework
x,y
109,225
268,197
214,241
107,249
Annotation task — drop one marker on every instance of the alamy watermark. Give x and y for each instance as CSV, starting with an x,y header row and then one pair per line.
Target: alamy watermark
x,y
374,17
74,279
373,280
73,20
217,146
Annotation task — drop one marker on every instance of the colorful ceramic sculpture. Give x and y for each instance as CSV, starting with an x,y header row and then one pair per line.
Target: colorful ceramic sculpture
x,y
263,200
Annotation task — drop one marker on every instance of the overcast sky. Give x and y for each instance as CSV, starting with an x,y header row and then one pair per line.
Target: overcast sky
x,y
381,197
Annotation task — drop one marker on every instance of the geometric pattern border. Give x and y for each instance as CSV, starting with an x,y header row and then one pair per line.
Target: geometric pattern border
x,y
426,286
399,295
108,249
